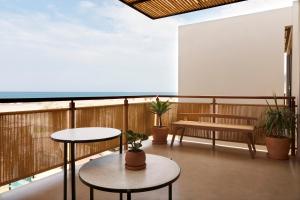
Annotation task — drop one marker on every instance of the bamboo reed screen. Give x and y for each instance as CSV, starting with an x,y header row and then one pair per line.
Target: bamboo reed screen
x,y
140,119
26,147
162,8
257,111
195,108
100,116
110,116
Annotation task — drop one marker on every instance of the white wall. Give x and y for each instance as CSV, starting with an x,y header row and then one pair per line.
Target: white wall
x,y
296,64
234,56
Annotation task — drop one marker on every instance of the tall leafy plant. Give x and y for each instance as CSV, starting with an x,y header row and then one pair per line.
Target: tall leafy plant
x,y
279,121
159,108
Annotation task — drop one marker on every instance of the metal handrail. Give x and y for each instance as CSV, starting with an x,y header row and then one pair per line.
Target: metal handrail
x,y
19,100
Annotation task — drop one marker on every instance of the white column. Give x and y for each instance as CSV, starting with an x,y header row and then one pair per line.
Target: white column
x,y
296,62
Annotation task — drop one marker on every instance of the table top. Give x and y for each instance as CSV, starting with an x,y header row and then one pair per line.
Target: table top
x,y
85,135
109,174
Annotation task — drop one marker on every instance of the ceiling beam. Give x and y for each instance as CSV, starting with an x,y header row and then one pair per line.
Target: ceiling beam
x,y
137,1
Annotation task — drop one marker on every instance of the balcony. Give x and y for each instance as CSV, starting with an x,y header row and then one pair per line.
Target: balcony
x,y
227,172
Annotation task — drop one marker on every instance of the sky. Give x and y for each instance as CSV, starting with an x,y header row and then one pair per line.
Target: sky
x,y
95,45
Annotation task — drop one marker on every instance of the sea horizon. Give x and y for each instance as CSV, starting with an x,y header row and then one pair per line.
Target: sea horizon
x,y
24,94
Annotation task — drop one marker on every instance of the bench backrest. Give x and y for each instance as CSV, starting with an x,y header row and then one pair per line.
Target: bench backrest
x,y
217,115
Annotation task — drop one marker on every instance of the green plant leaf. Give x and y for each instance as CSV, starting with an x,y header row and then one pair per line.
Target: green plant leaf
x,y
135,140
279,122
159,108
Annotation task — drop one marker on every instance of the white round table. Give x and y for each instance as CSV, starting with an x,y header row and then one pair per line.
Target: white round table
x,y
81,135
109,174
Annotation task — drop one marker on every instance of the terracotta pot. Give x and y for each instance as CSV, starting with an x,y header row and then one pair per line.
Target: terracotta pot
x,y
135,160
278,148
160,135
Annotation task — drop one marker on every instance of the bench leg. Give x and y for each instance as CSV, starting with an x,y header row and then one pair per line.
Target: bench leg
x,y
175,133
249,142
173,138
253,142
182,132
213,140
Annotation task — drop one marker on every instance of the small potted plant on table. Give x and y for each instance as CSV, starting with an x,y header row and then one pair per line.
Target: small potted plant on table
x,y
135,157
279,123
160,132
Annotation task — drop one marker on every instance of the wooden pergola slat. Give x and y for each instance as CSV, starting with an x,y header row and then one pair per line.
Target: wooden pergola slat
x,y
156,9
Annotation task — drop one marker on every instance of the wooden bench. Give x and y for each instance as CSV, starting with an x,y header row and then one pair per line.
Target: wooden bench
x,y
213,126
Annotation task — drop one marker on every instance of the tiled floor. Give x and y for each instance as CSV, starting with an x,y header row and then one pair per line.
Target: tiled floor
x,y
225,173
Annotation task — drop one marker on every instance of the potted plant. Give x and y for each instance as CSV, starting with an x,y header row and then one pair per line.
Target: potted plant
x,y
279,123
160,132
135,157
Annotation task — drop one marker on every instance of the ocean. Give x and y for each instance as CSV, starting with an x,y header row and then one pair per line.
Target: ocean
x,y
12,107
6,95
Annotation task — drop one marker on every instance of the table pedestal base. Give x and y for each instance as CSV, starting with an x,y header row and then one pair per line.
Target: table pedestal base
x,y
129,194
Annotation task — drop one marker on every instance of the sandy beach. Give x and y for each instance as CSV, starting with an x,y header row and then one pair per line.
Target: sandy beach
x,y
15,107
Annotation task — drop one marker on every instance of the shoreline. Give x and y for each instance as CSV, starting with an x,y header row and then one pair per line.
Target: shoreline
x,y
18,107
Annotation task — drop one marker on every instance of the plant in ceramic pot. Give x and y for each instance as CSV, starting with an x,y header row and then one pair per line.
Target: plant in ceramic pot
x,y
135,157
160,132
279,123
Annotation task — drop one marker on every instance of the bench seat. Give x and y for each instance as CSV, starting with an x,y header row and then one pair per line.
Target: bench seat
x,y
214,126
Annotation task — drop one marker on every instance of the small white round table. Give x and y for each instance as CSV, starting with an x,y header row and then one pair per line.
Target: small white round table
x,y
109,174
81,135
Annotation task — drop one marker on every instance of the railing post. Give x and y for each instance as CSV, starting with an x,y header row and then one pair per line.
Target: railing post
x,y
125,120
214,120
292,106
72,114
67,147
156,120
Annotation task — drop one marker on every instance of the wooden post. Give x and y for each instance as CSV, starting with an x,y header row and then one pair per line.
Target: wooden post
x,y
72,114
125,120
69,153
214,120
156,119
71,124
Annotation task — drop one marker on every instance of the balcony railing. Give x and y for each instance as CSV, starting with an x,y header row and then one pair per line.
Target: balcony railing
x,y
26,148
